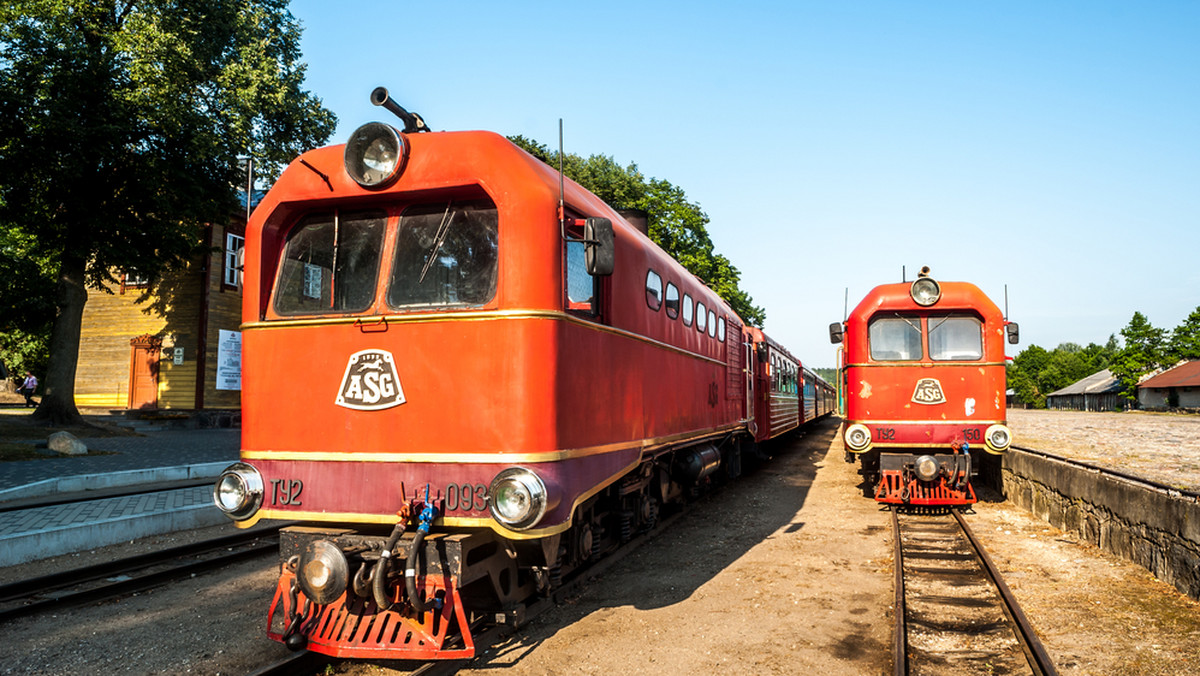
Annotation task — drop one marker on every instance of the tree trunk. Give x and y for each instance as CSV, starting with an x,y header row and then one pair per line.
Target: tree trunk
x,y
58,401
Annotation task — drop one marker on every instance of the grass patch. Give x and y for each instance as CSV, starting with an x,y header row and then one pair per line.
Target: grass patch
x,y
10,452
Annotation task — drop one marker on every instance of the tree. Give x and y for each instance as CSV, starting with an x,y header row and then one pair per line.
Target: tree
x,y
1023,375
1185,339
676,224
120,127
1144,353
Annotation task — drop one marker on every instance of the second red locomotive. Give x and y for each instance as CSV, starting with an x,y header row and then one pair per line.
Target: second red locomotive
x,y
923,378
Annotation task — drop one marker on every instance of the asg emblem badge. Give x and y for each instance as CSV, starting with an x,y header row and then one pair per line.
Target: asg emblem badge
x,y
929,391
370,383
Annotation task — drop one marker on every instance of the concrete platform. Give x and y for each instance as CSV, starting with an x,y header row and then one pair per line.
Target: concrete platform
x,y
155,458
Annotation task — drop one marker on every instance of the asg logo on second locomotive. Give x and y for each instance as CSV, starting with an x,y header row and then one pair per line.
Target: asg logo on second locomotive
x,y
370,382
928,391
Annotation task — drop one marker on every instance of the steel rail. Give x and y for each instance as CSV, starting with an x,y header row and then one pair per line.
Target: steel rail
x,y
27,589
900,631
1035,652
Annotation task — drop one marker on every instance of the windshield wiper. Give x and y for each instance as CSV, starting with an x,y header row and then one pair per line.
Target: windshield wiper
x,y
444,228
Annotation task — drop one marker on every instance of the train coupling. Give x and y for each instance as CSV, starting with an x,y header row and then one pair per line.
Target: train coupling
x,y
327,609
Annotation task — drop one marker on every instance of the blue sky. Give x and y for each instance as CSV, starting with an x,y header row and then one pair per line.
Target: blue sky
x,y
1050,147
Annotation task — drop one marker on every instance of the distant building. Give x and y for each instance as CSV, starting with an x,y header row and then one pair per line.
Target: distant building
x,y
1097,392
180,348
1177,387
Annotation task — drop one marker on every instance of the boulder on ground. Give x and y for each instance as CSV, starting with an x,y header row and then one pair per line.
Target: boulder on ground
x,y
66,444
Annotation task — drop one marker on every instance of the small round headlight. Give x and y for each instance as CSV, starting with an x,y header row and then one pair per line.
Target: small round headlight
x,y
926,468
858,437
239,491
323,572
517,498
925,291
998,438
375,155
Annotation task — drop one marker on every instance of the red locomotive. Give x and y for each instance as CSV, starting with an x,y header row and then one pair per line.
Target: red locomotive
x,y
468,376
924,386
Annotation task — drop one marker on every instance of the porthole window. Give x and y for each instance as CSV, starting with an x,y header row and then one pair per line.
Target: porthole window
x,y
672,300
721,329
687,310
712,324
653,290
701,317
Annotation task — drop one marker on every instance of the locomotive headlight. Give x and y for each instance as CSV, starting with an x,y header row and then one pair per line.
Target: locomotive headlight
x,y
375,155
858,437
926,468
925,291
518,498
997,438
239,491
323,572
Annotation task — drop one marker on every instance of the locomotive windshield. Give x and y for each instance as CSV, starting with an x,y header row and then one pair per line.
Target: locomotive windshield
x,y
330,263
895,338
951,338
955,338
446,254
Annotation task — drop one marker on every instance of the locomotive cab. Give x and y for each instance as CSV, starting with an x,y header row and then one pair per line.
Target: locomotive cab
x,y
924,386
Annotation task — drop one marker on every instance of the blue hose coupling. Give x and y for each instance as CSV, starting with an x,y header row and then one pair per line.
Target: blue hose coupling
x,y
428,513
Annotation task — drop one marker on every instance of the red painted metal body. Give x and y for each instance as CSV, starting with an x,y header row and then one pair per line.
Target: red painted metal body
x,y
926,391
349,413
518,379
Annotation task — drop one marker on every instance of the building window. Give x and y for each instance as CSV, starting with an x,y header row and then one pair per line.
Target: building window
x,y
133,280
233,254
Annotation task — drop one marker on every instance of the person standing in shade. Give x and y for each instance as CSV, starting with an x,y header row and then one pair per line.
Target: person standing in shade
x,y
27,388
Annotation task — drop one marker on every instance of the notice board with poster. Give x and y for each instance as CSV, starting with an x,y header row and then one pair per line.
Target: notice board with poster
x,y
229,360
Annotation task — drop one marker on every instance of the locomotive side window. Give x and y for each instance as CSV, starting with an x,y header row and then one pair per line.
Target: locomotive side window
x,y
712,324
955,338
581,287
446,254
672,300
701,317
895,338
654,290
330,263
721,329
688,309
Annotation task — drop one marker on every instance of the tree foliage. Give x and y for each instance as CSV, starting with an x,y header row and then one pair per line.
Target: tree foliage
x,y
1145,352
1184,343
121,124
1036,372
676,224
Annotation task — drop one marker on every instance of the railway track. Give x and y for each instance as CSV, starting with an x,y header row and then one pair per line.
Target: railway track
x,y
128,575
954,612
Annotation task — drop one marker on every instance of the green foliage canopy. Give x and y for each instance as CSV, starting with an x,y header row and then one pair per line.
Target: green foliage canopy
x,y
121,124
1145,351
1036,372
676,224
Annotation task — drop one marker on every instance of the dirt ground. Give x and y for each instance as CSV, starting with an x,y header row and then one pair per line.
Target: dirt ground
x,y
790,572
787,571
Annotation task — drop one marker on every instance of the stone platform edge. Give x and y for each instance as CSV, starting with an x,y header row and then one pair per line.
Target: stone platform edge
x,y
91,482
1155,528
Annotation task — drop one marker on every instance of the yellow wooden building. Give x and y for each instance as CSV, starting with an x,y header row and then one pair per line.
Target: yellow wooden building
x,y
174,346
